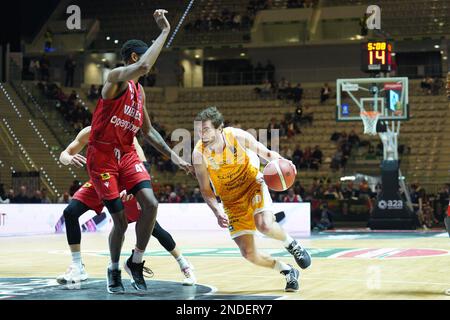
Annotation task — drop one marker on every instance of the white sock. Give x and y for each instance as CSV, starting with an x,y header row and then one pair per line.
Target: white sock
x,y
138,255
113,266
182,262
281,266
76,259
287,242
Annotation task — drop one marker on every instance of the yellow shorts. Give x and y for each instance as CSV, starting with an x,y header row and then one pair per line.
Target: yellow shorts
x,y
241,211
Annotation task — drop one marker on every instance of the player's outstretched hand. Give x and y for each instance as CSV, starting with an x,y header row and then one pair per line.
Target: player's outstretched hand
x,y
187,167
293,166
78,161
161,19
222,220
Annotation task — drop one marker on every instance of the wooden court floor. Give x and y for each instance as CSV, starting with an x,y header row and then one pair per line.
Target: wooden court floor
x,y
345,265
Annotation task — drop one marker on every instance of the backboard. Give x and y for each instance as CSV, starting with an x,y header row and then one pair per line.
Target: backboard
x,y
387,96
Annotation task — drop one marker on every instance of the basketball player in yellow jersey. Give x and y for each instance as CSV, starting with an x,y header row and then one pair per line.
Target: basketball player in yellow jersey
x,y
228,158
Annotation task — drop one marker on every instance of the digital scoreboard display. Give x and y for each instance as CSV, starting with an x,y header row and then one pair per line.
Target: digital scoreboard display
x,y
376,56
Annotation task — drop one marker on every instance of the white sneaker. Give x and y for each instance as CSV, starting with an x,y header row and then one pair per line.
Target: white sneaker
x,y
189,276
74,274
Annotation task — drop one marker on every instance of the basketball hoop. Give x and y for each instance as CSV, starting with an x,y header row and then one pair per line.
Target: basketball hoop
x,y
370,119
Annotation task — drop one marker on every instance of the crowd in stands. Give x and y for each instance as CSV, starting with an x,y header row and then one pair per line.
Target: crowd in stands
x,y
23,196
432,86
71,107
226,20
309,158
301,3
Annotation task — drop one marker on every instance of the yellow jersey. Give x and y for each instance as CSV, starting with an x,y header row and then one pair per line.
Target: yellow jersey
x,y
231,171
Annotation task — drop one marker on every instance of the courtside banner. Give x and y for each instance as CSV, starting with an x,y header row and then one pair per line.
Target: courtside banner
x,y
30,219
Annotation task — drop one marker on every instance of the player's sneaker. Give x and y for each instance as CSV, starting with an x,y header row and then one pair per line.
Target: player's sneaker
x,y
291,279
136,272
302,257
114,281
74,274
189,276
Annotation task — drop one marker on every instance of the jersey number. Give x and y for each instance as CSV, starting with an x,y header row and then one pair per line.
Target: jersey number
x,y
139,167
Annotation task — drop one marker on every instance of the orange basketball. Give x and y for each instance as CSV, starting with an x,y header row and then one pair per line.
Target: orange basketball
x,y
279,174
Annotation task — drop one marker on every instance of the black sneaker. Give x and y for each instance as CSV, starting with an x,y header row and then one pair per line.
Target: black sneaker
x,y
300,254
136,272
114,281
291,279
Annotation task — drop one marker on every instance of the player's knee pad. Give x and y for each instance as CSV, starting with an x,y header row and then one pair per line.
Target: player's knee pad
x,y
146,184
74,210
114,205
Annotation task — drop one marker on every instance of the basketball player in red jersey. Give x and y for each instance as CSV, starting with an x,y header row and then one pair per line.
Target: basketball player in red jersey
x,y
112,160
86,199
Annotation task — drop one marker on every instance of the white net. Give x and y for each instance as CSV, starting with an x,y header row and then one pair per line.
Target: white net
x,y
370,120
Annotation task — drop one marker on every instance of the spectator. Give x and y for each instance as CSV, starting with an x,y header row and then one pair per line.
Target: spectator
x,y
9,198
45,68
353,139
48,40
292,197
93,92
287,152
22,196
297,93
325,217
173,198
317,157
265,89
45,198
34,68
443,200
349,192
76,184
337,160
297,156
335,136
65,198
37,198
325,93
196,196
307,158
69,67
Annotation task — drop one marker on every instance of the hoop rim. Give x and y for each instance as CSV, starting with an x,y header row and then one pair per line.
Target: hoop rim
x,y
370,114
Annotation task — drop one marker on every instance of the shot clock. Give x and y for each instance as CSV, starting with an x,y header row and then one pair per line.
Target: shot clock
x,y
376,56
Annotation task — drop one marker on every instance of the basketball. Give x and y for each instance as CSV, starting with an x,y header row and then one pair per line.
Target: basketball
x,y
279,174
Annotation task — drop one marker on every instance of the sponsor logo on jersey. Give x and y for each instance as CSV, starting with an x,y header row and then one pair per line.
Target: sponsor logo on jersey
x,y
87,185
105,176
106,183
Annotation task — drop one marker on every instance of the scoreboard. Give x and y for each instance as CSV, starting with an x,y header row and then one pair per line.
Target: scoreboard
x,y
376,56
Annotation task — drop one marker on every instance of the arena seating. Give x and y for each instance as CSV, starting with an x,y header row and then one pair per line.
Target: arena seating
x,y
32,146
426,134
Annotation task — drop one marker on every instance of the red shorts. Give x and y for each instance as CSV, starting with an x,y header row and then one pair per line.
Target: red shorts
x,y
110,169
87,195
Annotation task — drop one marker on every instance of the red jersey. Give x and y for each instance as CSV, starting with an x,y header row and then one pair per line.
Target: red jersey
x,y
115,122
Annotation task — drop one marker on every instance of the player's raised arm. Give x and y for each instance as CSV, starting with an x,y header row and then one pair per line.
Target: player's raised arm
x,y
71,154
248,141
201,173
148,59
